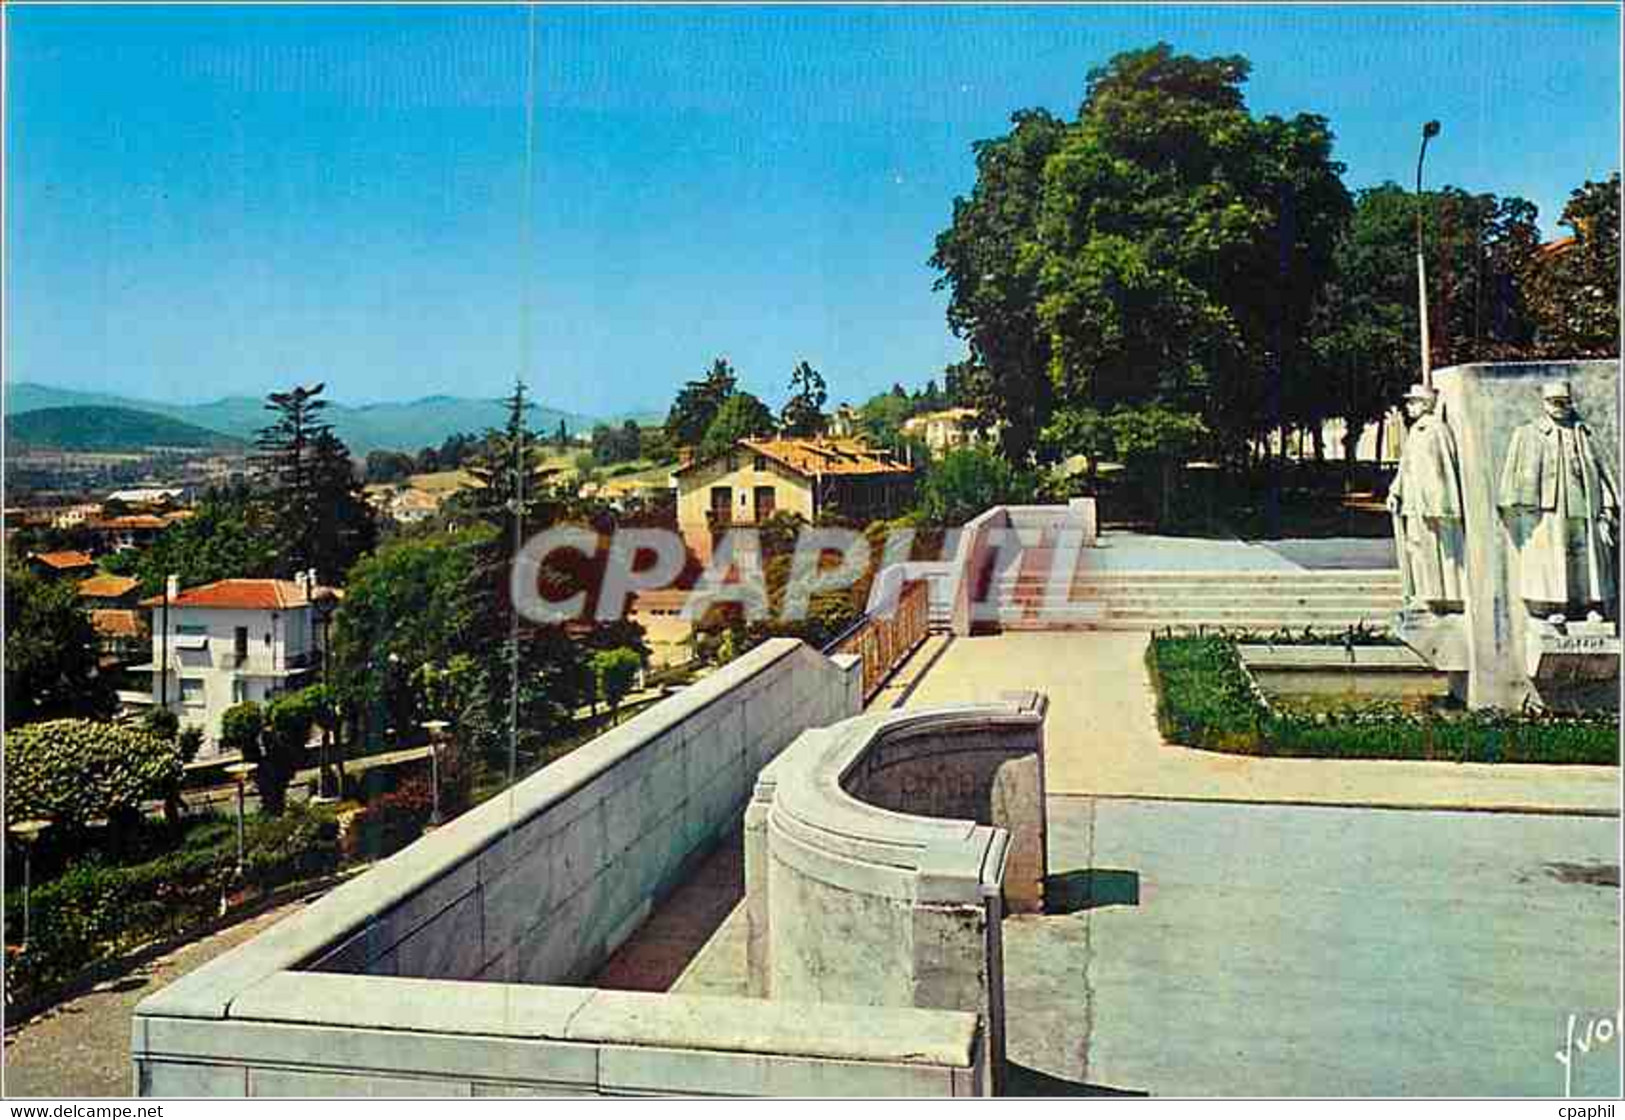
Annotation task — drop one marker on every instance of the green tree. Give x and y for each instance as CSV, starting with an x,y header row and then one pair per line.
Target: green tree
x,y
527,681
803,413
389,466
281,749
346,527
698,403
404,609
991,276
240,727
968,480
51,651
1575,289
741,416
76,771
223,539
615,671
313,502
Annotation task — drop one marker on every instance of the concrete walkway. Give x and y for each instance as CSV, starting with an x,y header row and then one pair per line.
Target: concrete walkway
x,y
81,1047
1102,739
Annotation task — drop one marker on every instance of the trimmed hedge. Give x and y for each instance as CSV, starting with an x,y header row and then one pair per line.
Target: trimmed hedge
x,y
94,911
1205,699
76,770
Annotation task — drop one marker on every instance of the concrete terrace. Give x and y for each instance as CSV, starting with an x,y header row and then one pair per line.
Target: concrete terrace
x,y
1229,926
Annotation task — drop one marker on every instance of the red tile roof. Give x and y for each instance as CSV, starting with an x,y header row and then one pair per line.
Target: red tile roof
x,y
117,624
132,521
815,457
239,594
64,560
107,587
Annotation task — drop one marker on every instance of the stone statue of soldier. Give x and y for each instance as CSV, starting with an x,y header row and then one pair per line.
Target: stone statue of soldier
x,y
1425,500
1562,507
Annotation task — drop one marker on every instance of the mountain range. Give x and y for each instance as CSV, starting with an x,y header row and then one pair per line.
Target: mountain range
x,y
392,425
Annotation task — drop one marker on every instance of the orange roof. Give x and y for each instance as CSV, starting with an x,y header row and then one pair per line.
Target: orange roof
x,y
117,624
1558,247
827,456
815,457
239,594
105,586
64,560
132,521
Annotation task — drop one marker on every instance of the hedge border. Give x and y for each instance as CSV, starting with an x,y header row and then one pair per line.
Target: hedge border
x,y
1206,700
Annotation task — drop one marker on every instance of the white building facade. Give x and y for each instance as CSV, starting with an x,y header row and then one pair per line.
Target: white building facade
x,y
229,642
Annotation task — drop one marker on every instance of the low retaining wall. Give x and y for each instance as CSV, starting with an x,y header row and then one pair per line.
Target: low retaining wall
x,y
372,990
992,544
851,897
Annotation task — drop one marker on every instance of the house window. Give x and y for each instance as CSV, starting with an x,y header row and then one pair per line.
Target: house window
x,y
192,629
239,692
192,690
766,502
240,645
761,462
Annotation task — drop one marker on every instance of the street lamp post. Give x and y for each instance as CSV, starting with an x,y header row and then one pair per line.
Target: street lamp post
x,y
29,833
325,599
437,730
1429,131
239,772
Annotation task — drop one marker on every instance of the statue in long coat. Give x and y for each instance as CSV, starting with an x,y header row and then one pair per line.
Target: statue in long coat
x,y
1562,507
1425,500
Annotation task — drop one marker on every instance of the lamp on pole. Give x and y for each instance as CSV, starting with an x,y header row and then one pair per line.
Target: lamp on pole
x,y
29,833
325,599
239,772
437,730
1429,131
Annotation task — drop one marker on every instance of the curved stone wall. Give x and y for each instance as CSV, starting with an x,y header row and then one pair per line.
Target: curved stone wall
x,y
880,854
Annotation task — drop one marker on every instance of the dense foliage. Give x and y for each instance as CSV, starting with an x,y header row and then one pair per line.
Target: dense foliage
x,y
51,651
1207,700
98,909
75,771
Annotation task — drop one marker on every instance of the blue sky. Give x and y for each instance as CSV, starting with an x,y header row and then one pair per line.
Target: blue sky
x,y
215,201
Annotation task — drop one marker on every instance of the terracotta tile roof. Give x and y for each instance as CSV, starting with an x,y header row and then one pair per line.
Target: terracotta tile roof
x,y
814,457
238,594
132,521
107,587
827,456
64,560
1558,247
117,624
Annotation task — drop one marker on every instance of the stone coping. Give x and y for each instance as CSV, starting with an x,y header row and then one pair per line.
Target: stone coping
x,y
895,1035
210,991
1367,659
838,838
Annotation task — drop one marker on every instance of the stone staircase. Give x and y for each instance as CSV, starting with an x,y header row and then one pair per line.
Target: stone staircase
x,y
1239,600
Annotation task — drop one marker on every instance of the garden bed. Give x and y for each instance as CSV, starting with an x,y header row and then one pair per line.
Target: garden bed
x,y
1206,699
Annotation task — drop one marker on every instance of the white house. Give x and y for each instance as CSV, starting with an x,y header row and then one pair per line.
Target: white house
x,y
230,641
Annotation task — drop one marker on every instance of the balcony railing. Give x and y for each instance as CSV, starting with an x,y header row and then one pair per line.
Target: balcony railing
x,y
883,642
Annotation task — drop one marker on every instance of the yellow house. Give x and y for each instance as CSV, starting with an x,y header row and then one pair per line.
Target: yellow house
x,y
945,430
757,478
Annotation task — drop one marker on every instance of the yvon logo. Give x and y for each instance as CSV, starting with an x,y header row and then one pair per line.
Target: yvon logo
x,y
1598,1032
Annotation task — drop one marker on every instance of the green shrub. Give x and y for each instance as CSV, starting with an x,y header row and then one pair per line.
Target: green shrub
x,y
77,770
1206,699
96,910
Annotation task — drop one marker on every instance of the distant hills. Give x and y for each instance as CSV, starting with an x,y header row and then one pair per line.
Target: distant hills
x,y
396,425
105,428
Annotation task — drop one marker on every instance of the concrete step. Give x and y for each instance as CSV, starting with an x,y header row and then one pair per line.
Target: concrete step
x,y
1281,599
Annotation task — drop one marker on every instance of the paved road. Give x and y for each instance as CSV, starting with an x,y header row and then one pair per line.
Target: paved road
x,y
1246,950
81,1048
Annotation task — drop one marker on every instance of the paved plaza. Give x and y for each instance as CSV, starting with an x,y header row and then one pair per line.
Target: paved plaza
x,y
1102,738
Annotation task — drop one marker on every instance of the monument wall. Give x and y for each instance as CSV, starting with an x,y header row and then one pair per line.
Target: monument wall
x,y
1484,404
429,974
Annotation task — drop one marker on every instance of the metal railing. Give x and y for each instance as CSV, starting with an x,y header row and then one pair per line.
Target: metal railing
x,y
884,642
